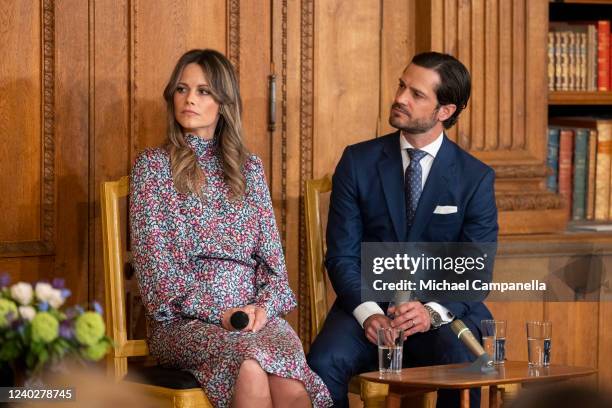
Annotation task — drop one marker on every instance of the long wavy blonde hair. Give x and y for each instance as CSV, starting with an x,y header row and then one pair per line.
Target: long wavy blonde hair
x,y
187,175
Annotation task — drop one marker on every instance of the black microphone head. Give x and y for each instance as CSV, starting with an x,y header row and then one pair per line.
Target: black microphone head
x,y
239,320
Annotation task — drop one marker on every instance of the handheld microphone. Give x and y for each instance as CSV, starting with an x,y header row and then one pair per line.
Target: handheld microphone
x,y
239,320
465,335
399,298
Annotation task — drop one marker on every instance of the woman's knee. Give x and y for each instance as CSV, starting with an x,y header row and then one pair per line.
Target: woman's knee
x,y
252,373
287,388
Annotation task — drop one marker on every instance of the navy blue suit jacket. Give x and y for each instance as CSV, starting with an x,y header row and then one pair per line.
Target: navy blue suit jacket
x,y
367,205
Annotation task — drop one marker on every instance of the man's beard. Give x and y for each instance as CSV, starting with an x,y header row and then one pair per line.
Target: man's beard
x,y
411,126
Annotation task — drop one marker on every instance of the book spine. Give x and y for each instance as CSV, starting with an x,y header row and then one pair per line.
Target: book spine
x,y
580,174
565,61
590,210
592,51
602,174
558,62
551,61
566,147
603,55
571,61
589,57
552,159
604,128
583,64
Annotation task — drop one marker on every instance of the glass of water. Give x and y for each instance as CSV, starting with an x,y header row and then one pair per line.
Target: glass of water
x,y
494,339
390,347
539,343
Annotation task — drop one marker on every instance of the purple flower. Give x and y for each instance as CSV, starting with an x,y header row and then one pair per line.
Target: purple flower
x,y
66,293
79,309
71,313
5,279
97,307
58,283
66,329
43,306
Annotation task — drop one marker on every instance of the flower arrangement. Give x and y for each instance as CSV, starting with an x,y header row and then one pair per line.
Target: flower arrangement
x,y
35,332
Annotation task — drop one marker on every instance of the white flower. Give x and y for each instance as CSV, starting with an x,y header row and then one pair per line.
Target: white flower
x,y
22,292
27,312
44,292
56,299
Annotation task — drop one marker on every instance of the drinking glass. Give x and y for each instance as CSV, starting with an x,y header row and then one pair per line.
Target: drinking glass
x,y
494,339
539,343
390,347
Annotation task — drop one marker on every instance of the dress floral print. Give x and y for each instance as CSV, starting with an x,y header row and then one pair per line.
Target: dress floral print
x,y
196,258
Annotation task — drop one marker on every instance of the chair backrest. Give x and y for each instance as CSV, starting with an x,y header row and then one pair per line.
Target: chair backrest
x,y
114,288
315,244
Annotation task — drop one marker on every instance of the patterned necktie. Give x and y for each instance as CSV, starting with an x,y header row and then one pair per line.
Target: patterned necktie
x,y
413,184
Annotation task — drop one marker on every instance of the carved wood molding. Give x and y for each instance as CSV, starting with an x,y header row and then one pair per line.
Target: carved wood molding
x,y
306,159
233,46
133,71
283,220
528,201
46,244
531,171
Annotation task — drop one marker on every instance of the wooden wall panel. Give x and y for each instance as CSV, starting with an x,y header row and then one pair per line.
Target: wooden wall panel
x,y
451,24
27,81
505,75
464,54
20,120
518,75
491,55
161,33
477,99
109,118
396,51
604,338
346,78
284,175
489,37
72,130
255,61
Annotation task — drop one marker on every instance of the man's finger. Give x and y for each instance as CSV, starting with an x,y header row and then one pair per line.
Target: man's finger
x,y
403,318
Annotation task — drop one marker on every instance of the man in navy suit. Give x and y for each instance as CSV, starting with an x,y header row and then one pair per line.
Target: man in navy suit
x,y
414,185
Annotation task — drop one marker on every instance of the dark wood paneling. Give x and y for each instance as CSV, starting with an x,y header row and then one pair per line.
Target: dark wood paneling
x,y
27,82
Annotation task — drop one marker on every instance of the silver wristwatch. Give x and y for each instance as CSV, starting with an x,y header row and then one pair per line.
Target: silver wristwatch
x,y
436,319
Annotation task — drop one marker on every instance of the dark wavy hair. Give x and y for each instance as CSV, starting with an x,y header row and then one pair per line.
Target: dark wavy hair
x,y
455,82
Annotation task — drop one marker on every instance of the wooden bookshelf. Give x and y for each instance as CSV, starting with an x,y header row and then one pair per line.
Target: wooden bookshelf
x,y
579,98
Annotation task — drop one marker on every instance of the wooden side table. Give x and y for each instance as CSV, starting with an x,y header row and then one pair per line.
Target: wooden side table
x,y
420,380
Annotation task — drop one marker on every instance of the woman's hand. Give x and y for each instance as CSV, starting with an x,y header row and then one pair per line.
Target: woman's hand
x,y
257,318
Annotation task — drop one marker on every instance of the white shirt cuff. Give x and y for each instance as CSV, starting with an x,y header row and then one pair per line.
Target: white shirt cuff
x,y
365,310
444,313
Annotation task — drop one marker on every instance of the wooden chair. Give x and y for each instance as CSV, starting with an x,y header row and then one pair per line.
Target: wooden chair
x,y
372,394
168,387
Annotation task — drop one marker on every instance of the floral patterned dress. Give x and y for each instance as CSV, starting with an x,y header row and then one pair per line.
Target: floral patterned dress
x,y
194,259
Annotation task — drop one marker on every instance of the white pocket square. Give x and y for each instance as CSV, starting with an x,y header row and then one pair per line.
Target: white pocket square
x,y
445,209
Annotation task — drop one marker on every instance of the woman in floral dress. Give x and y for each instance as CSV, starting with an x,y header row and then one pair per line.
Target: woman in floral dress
x,y
206,245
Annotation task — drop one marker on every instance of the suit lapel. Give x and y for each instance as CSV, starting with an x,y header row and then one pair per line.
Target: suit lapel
x,y
390,171
436,185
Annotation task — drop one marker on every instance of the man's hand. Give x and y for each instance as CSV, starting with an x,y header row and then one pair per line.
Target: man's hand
x,y
373,323
257,318
412,317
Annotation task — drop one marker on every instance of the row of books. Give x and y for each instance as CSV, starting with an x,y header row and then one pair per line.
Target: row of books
x,y
579,56
580,165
